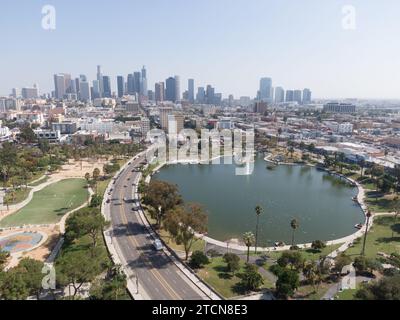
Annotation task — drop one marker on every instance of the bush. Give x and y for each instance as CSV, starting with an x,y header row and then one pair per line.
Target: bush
x,y
233,262
213,253
363,264
288,281
276,269
251,278
198,260
318,245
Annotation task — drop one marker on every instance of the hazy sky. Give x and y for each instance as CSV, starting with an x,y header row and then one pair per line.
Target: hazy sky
x,y
229,44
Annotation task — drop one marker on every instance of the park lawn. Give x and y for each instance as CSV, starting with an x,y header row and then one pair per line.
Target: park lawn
x,y
50,204
20,195
225,283
379,239
381,204
308,292
346,295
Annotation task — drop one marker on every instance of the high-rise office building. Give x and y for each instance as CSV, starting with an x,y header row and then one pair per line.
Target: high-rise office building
x,y
29,93
279,95
306,96
210,95
84,94
297,96
130,86
137,79
100,80
170,89
120,86
191,90
289,96
106,87
266,89
96,89
159,91
62,85
143,86
177,88
201,95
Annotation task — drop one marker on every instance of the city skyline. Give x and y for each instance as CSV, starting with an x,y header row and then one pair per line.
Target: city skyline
x,y
210,46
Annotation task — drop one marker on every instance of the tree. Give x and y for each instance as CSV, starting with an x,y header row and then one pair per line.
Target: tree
x,y
318,245
113,287
233,262
87,221
96,175
198,260
311,273
366,265
162,196
251,279
74,268
292,259
32,275
3,258
258,210
388,288
27,135
12,285
87,177
340,262
288,281
184,222
294,224
249,240
96,200
369,215
44,146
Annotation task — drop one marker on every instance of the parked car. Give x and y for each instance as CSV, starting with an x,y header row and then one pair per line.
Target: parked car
x,y
158,245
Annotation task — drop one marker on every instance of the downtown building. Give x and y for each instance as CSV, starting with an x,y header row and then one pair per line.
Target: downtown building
x,y
335,107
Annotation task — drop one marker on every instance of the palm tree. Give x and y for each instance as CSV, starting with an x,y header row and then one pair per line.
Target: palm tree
x,y
294,224
369,215
395,219
249,240
258,210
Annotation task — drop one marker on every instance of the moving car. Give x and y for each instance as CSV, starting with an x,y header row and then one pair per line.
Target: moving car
x,y
158,245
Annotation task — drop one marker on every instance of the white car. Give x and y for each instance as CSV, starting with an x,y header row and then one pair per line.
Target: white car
x,y
158,245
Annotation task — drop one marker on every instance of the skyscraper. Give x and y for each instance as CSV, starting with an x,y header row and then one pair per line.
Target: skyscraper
x,y
306,96
100,80
279,95
201,95
170,89
130,84
84,94
266,89
297,96
137,78
96,89
289,96
191,90
106,87
62,85
177,88
143,86
159,91
210,94
120,86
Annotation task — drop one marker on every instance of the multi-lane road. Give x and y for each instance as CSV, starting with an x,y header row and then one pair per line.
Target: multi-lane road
x,y
158,276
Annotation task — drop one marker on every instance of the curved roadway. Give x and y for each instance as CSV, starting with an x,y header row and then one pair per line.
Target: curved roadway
x,y
158,276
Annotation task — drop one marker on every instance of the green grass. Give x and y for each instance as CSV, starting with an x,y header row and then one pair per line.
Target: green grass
x,y
379,239
50,204
17,196
380,204
220,280
346,295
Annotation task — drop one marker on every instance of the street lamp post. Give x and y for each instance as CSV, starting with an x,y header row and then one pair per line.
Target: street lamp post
x,y
366,232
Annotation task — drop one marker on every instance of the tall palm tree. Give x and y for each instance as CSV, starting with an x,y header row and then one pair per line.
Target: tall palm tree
x,y
294,224
258,210
395,219
248,239
369,215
